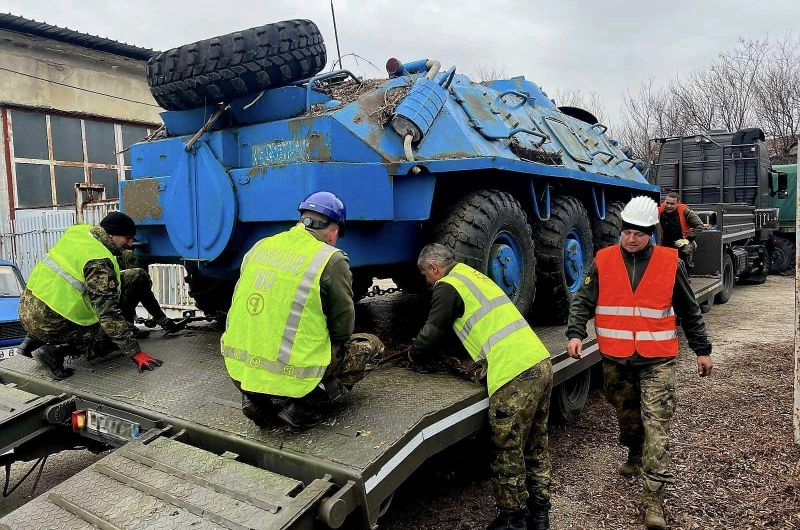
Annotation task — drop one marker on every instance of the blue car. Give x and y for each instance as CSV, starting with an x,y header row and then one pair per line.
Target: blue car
x,y
11,330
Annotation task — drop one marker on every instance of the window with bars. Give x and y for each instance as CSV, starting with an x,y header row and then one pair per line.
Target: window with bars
x,y
50,153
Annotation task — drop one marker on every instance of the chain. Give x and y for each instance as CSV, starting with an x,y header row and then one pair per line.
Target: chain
x,y
377,291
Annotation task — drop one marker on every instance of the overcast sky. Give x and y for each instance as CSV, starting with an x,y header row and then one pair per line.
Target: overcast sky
x,y
603,46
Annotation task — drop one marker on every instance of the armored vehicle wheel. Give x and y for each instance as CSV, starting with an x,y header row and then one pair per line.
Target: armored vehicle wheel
x,y
489,231
728,280
782,258
211,296
569,397
605,232
564,253
237,64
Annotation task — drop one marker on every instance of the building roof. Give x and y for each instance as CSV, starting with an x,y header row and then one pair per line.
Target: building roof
x,y
69,36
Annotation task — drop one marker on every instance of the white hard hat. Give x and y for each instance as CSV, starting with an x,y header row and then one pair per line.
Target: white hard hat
x,y
640,211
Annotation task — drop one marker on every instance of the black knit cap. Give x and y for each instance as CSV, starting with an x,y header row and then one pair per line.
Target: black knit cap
x,y
118,224
649,230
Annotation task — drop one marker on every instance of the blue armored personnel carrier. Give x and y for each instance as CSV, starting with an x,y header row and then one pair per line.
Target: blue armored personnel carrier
x,y
519,187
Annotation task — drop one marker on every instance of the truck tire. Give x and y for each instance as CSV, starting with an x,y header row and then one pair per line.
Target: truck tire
x,y
564,253
489,231
728,280
782,257
605,232
234,65
569,398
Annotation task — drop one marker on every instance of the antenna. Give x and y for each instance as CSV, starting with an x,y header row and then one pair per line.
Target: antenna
x,y
336,34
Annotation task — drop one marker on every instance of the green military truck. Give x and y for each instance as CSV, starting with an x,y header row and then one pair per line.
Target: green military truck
x,y
783,242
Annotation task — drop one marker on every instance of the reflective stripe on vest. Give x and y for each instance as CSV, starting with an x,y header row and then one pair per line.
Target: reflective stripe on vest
x,y
492,328
642,322
276,340
685,228
58,279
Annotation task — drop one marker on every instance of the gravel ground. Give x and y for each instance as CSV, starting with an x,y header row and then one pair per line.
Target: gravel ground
x,y
732,451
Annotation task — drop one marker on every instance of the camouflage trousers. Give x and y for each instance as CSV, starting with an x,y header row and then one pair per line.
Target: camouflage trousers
x,y
644,397
518,413
45,325
350,363
354,359
686,254
137,287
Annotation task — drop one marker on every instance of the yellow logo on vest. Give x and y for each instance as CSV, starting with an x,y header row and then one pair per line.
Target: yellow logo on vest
x,y
587,280
255,304
288,370
254,362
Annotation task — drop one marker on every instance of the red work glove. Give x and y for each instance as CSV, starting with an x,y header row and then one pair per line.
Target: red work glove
x,y
145,362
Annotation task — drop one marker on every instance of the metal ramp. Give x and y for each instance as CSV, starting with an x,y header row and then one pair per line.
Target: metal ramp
x,y
167,484
21,416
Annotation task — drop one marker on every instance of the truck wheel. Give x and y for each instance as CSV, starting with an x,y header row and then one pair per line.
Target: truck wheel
x,y
782,257
570,397
728,280
211,296
564,253
489,231
237,64
605,232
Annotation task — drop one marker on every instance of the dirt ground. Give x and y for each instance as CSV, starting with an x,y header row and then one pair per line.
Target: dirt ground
x,y
731,442
732,451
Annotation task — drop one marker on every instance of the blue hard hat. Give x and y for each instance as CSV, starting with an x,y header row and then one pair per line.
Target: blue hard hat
x,y
327,204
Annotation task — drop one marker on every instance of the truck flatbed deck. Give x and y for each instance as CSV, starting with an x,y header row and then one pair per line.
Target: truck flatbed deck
x,y
392,421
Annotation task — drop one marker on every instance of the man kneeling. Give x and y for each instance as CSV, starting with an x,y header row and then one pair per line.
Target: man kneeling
x,y
289,339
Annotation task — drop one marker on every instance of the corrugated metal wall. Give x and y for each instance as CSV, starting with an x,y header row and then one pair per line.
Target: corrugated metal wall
x,y
27,239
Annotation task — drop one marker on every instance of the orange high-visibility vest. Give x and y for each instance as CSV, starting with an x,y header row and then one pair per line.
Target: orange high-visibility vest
x,y
641,321
685,228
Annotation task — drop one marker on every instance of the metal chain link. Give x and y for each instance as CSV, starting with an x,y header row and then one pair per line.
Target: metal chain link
x,y
377,291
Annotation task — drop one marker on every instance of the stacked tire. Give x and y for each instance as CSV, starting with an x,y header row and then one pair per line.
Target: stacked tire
x,y
220,69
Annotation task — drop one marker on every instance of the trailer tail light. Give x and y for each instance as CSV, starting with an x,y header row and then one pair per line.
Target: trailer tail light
x,y
78,420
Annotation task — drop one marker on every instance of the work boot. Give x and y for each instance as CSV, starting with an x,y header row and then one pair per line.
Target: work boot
x,y
258,409
509,520
299,415
633,465
538,519
28,346
52,356
653,505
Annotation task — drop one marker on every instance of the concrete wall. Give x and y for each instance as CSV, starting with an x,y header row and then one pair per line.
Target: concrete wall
x,y
73,65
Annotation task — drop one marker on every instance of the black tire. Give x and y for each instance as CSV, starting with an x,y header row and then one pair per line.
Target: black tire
x,y
728,280
211,296
473,225
570,397
362,281
782,257
567,216
237,64
606,232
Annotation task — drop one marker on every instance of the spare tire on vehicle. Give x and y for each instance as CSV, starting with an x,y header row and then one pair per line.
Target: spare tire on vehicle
x,y
234,65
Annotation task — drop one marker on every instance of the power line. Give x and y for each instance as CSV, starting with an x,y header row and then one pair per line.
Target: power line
x,y
78,88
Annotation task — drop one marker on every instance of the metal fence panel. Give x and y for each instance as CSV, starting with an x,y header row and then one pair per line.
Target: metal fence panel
x,y
27,239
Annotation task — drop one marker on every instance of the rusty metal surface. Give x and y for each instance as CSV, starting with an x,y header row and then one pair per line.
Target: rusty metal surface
x,y
142,199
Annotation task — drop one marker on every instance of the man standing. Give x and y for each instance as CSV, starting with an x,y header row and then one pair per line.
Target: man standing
x,y
634,290
680,226
289,337
518,373
71,304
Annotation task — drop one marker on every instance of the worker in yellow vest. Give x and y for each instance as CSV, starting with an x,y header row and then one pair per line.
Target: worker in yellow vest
x,y
634,290
71,303
518,373
289,341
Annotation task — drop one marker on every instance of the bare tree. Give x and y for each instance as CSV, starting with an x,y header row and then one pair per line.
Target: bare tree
x,y
490,72
585,100
777,102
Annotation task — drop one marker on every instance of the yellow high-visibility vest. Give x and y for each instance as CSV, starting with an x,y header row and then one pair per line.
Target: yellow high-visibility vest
x,y
58,279
276,340
492,328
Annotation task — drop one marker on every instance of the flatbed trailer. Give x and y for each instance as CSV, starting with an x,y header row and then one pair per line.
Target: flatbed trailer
x,y
198,462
